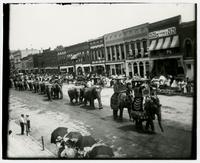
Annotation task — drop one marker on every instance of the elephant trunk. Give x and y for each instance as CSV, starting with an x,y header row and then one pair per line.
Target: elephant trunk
x,y
99,99
100,104
159,122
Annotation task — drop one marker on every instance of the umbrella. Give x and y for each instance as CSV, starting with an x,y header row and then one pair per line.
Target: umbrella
x,y
74,135
101,150
60,131
85,141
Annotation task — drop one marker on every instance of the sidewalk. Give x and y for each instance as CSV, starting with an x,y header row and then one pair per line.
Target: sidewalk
x,y
22,146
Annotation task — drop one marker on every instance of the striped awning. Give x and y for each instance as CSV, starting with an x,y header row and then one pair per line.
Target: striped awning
x,y
175,42
159,44
167,43
152,45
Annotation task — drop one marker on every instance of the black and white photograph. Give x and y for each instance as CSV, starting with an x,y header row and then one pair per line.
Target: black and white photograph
x,y
100,81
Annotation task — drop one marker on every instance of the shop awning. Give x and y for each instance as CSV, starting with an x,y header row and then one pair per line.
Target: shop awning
x,y
152,46
159,44
175,42
167,43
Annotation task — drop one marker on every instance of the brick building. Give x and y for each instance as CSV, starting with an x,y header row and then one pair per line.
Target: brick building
x,y
47,61
97,55
165,50
188,47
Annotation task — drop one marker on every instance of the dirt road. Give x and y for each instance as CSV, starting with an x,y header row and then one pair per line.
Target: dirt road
x,y
125,140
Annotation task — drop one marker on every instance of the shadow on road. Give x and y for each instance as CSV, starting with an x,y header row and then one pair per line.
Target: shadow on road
x,y
46,99
132,127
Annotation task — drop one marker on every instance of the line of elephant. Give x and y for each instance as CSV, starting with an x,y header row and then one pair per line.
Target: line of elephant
x,y
151,109
81,94
145,113
51,90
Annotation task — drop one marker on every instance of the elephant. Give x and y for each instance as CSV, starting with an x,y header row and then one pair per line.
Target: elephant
x,y
42,87
75,93
152,107
92,93
121,103
57,90
36,86
48,88
118,102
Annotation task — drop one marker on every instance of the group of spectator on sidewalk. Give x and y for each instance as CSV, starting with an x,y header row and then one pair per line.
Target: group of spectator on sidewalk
x,y
24,124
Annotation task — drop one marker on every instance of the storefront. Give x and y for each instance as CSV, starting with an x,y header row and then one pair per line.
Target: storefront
x,y
188,47
98,67
164,47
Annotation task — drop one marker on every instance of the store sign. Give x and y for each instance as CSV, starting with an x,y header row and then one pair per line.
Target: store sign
x,y
96,46
102,61
162,33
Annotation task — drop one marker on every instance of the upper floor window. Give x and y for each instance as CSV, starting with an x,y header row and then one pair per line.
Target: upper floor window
x,y
188,48
144,43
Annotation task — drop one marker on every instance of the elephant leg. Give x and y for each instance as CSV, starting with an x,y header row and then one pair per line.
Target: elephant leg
x,y
80,100
100,104
61,93
114,114
49,95
147,125
71,100
137,123
92,103
121,114
85,102
152,125
57,94
140,125
129,113
76,100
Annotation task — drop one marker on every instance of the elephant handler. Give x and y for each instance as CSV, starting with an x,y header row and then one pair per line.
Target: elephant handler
x,y
118,88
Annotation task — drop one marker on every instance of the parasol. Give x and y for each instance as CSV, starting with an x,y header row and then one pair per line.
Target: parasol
x,y
85,141
60,131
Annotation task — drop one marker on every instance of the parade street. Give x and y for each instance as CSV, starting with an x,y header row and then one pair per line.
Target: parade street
x,y
123,137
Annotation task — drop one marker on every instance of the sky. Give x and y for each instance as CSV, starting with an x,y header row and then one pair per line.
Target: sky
x,y
41,26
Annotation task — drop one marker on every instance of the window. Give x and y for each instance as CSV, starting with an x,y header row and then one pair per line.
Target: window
x,y
138,47
108,53
93,55
135,68
144,43
113,53
189,66
133,48
127,48
102,53
122,50
117,50
188,48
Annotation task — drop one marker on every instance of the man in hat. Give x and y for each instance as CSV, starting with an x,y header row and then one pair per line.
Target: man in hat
x,y
28,125
118,86
22,122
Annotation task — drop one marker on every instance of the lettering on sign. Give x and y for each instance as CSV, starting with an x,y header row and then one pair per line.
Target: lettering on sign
x,y
162,33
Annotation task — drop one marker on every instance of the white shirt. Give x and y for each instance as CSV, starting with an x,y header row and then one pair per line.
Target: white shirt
x,y
89,84
21,120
